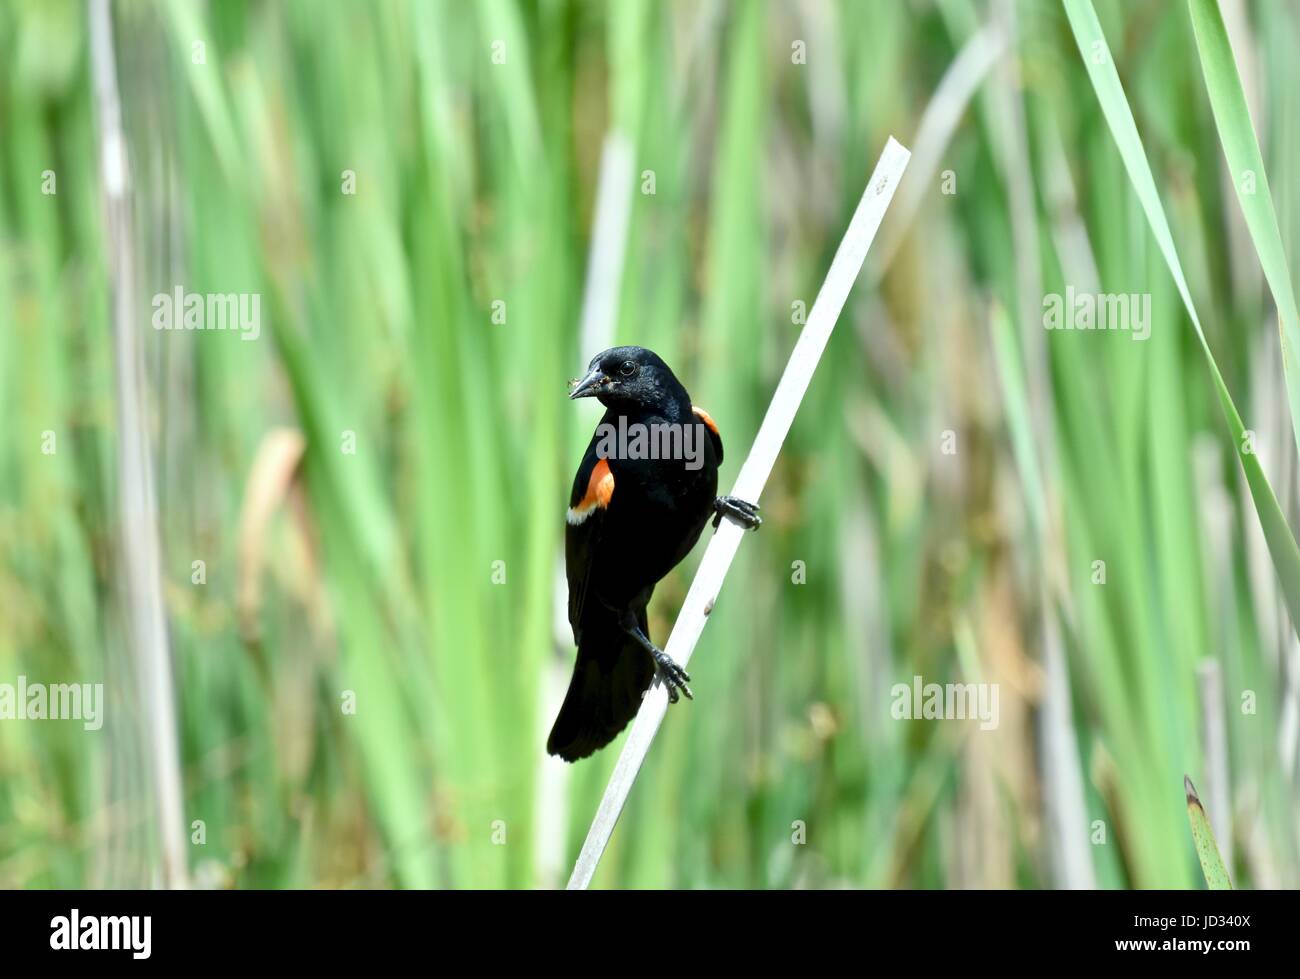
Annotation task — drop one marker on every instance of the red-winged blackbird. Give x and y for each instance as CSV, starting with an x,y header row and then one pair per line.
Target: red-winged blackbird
x,y
637,508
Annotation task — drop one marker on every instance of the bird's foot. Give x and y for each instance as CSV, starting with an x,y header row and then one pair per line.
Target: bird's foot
x,y
743,513
672,676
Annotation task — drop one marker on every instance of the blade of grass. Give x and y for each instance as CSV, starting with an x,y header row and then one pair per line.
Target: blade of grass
x,y
1214,746
1249,179
1119,116
139,530
1207,850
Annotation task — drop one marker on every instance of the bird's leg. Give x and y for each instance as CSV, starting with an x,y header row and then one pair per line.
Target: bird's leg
x,y
670,674
745,514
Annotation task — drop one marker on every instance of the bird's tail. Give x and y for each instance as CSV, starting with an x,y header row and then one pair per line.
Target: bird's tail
x,y
610,677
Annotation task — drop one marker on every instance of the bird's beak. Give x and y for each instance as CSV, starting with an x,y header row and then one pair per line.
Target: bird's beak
x,y
589,386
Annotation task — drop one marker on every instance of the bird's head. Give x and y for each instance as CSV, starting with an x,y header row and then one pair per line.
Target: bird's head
x,y
625,376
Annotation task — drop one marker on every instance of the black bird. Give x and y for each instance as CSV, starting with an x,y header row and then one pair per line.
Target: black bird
x,y
635,511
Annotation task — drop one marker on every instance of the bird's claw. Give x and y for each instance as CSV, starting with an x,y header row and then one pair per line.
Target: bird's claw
x,y
741,511
672,676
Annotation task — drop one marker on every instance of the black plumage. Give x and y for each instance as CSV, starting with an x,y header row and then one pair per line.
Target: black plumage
x,y
631,520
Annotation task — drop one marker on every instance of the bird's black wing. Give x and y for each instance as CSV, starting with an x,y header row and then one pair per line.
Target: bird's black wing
x,y
593,488
612,671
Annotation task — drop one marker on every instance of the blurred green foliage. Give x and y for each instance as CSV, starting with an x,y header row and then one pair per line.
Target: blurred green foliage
x,y
474,134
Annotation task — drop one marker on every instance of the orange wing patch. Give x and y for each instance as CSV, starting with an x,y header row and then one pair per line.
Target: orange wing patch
x,y
600,490
705,417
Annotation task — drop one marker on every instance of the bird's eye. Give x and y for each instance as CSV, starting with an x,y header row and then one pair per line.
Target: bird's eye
x,y
628,368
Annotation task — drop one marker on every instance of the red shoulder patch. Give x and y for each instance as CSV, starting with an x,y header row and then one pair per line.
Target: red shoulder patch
x,y
600,490
705,417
